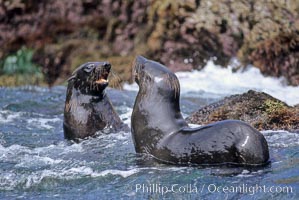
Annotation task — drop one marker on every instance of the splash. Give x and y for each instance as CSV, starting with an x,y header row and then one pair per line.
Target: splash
x,y
7,116
217,82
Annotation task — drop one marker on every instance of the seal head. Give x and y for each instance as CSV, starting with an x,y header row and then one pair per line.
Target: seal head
x,y
91,78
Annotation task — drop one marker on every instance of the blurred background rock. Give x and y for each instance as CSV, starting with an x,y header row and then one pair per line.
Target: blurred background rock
x,y
42,42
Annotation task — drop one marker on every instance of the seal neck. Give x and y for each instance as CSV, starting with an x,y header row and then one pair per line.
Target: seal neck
x,y
73,93
160,111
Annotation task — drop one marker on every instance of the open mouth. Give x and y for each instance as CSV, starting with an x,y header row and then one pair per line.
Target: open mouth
x,y
103,78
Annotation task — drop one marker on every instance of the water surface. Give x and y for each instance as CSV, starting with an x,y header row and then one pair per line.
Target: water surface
x,y
37,163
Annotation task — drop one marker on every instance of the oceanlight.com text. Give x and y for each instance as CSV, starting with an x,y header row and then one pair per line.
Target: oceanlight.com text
x,y
211,188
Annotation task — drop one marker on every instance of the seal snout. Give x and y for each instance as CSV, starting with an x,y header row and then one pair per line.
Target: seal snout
x,y
103,73
107,66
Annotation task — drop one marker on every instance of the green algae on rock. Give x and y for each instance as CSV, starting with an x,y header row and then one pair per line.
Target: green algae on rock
x,y
18,69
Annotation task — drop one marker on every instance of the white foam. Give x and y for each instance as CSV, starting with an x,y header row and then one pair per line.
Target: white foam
x,y
27,157
7,116
281,139
59,149
42,122
11,180
130,87
215,81
245,173
29,161
223,81
52,162
121,173
12,151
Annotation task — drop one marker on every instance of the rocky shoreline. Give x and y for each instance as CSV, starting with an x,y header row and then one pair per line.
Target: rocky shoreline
x,y
183,35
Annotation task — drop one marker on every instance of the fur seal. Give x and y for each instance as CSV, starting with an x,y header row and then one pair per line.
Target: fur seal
x,y
159,129
87,106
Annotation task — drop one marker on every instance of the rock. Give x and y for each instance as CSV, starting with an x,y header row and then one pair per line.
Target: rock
x,y
60,60
59,32
259,109
183,35
279,56
178,40
186,34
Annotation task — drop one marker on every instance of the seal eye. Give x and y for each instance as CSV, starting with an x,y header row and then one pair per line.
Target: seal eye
x,y
88,68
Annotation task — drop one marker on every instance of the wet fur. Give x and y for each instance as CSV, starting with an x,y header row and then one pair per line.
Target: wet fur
x,y
159,129
87,106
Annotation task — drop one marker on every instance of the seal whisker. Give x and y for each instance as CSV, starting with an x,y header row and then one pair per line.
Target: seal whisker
x,y
115,80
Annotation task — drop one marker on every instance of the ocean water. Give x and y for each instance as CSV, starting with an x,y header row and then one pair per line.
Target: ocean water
x,y
37,163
